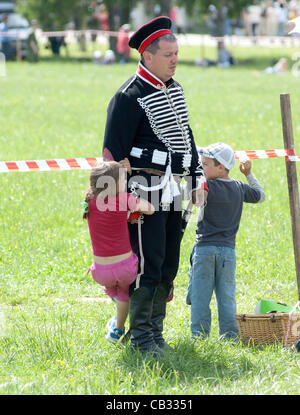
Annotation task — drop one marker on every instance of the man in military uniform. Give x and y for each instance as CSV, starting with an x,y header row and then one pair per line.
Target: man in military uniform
x,y
147,122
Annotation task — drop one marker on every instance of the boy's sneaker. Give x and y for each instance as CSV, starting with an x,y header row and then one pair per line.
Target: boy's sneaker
x,y
114,334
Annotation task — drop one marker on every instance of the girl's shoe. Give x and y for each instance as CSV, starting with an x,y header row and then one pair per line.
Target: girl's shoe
x,y
114,334
111,323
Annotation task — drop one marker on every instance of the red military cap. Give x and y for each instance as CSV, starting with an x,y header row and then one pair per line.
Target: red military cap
x,y
150,31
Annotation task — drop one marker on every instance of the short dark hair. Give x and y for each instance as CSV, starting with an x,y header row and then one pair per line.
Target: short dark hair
x,y
217,163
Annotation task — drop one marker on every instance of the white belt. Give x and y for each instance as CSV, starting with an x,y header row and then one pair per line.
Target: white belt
x,y
170,186
160,157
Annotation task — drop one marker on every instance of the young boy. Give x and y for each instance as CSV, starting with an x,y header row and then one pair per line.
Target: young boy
x,y
213,259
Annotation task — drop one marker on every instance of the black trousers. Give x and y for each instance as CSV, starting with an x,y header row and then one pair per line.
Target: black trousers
x,y
159,247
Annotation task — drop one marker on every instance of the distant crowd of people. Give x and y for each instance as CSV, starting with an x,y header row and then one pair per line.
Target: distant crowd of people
x,y
258,19
266,18
270,17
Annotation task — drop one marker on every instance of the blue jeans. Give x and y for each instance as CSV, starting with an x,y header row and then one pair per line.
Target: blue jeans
x,y
212,269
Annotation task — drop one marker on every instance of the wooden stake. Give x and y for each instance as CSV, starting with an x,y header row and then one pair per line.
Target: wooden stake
x,y
291,171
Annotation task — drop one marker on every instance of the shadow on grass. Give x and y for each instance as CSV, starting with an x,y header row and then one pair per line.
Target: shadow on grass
x,y
205,362
65,59
258,63
245,63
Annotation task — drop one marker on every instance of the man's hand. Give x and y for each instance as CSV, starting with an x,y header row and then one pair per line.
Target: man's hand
x,y
199,197
125,163
245,167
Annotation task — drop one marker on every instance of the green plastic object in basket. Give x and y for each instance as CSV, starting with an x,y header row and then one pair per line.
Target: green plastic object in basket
x,y
269,306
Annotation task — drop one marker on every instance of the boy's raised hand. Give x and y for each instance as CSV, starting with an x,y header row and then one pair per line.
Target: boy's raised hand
x,y
245,167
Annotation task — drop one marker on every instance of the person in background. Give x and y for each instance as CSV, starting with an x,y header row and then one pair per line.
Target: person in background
x,y
4,40
101,15
282,19
32,44
254,16
123,48
280,67
225,58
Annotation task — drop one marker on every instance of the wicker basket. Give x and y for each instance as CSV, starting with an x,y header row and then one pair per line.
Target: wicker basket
x,y
269,328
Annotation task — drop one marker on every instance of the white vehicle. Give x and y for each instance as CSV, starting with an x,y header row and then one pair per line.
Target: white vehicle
x,y
18,29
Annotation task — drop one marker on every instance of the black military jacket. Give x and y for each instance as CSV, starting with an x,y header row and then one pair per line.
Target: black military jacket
x,y
147,121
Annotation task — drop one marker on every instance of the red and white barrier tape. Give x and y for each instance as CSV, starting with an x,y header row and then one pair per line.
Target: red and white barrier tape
x,y
88,163
48,165
289,153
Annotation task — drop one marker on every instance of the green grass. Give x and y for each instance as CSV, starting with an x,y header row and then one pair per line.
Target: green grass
x,y
52,315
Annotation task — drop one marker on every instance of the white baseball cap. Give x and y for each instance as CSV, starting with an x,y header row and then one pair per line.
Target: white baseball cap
x,y
222,152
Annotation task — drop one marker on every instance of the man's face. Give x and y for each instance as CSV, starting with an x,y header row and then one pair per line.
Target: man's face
x,y
163,63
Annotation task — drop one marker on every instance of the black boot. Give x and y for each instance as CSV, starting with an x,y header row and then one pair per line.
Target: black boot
x,y
140,310
158,315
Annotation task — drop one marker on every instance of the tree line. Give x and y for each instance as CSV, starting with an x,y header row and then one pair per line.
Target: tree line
x,y
56,14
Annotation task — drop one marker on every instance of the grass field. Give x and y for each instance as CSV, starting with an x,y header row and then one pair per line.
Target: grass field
x,y
53,316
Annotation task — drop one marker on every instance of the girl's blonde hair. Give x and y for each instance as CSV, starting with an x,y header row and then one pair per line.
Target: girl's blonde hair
x,y
107,168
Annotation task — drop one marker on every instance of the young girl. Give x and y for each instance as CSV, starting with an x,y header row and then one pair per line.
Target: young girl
x,y
106,209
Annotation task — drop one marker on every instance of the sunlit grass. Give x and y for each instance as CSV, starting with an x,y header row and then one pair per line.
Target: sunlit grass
x,y
52,315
